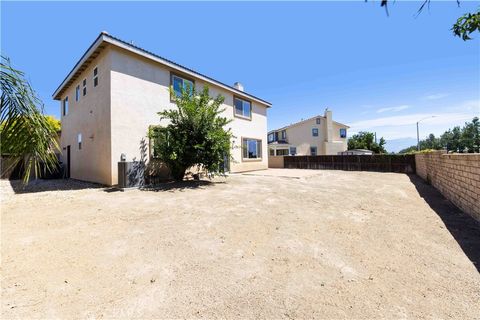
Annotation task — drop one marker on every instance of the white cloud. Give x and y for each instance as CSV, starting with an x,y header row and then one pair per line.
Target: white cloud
x,y
469,105
444,118
436,96
404,126
393,109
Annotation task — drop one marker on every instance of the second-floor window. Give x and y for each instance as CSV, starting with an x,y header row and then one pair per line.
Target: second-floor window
x,y
343,133
84,87
79,140
243,108
95,77
65,106
180,84
284,135
318,120
315,132
271,137
77,93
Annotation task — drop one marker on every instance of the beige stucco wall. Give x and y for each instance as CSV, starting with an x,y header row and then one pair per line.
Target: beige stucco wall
x,y
300,136
140,89
90,117
337,144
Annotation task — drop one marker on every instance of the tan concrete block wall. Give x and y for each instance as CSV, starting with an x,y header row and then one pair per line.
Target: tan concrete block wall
x,y
456,176
275,162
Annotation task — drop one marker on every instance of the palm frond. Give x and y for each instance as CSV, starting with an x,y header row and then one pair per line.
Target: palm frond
x,y
25,134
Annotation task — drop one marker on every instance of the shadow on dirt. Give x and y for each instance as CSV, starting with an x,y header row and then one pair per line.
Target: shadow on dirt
x,y
43,185
464,228
180,186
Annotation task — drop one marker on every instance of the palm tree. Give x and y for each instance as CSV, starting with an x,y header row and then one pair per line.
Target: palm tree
x,y
25,134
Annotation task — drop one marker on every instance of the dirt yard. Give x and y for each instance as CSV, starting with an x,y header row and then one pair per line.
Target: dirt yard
x,y
327,244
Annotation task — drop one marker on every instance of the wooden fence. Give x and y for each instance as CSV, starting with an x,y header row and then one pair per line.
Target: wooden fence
x,y
382,163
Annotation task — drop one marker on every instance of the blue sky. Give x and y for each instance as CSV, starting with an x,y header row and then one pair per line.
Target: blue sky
x,y
375,72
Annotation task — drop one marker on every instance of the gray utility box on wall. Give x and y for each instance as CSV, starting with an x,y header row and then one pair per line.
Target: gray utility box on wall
x,y
131,174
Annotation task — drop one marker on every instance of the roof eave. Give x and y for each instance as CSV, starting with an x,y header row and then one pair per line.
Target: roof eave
x,y
93,47
170,64
105,37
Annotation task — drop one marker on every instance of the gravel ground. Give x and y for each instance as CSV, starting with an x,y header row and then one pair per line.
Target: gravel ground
x,y
330,245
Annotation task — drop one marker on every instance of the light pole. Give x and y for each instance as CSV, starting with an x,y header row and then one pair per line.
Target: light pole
x,y
418,135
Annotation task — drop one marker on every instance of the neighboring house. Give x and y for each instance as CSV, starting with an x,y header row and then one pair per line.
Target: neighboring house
x,y
319,135
112,96
357,152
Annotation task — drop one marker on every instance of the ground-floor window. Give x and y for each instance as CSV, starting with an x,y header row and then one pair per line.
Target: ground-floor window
x,y
272,152
282,152
79,140
293,151
252,148
313,151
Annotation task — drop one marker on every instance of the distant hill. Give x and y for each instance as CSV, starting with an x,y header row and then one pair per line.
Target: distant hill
x,y
396,145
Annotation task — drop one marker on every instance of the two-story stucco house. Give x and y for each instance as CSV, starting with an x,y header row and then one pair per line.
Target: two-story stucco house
x,y
319,135
112,96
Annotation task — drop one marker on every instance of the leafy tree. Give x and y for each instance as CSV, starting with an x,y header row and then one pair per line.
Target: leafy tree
x,y
470,136
54,123
411,149
26,135
465,139
451,139
466,25
431,142
195,135
366,140
462,28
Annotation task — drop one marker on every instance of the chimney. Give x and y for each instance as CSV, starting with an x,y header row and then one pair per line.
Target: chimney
x,y
238,86
329,126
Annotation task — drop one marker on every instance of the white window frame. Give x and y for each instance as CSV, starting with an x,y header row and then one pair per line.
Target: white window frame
x,y
79,141
286,151
95,76
315,135
65,106
290,151
245,146
244,103
184,83
271,137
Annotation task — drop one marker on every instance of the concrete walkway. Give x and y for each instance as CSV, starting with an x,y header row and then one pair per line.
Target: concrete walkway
x,y
284,173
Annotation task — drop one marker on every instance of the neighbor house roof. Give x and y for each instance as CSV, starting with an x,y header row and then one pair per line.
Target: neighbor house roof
x,y
303,121
105,39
